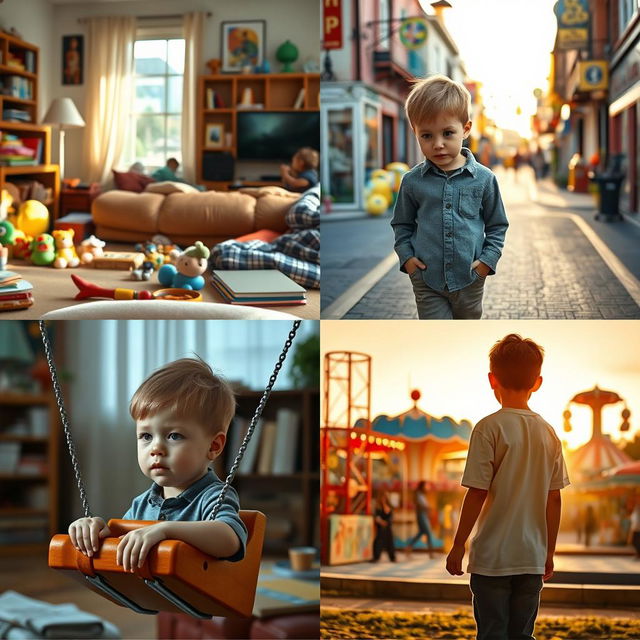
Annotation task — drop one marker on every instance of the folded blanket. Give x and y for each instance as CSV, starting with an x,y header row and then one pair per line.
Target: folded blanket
x,y
25,618
296,254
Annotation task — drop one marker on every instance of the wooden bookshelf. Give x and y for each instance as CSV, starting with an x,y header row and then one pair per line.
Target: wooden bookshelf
x,y
28,493
19,65
268,92
291,497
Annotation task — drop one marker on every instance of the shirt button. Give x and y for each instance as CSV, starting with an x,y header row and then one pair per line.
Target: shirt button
x,y
448,205
162,517
449,234
448,265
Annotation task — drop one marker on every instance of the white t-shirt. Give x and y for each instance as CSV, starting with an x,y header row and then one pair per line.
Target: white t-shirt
x,y
517,457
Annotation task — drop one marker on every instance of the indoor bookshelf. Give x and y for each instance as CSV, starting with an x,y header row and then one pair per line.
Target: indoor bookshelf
x,y
19,69
222,97
289,499
29,477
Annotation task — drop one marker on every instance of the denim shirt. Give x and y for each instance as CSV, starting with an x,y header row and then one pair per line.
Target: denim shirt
x,y
194,503
448,220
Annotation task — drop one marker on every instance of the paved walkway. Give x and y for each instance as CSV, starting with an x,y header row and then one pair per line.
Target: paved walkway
x,y
554,264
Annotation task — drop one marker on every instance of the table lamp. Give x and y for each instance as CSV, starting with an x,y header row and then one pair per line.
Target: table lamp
x,y
63,114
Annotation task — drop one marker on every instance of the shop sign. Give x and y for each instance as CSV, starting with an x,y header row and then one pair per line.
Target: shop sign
x,y
626,73
413,33
573,24
593,75
332,24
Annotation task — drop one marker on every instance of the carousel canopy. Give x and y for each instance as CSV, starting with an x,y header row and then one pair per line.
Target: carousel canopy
x,y
594,457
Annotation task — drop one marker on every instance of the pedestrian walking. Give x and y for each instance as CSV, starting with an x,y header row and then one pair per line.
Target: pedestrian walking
x,y
590,525
449,221
383,517
515,460
422,518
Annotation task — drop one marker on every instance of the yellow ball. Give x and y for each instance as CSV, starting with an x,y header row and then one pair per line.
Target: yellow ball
x,y
32,218
376,204
381,173
381,186
397,169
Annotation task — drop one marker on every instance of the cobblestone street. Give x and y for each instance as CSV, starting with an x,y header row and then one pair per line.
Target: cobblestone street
x,y
550,268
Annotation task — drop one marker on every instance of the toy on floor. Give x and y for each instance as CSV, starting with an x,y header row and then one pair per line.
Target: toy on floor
x,y
90,248
66,255
120,260
90,290
144,271
186,273
32,216
151,253
43,250
7,238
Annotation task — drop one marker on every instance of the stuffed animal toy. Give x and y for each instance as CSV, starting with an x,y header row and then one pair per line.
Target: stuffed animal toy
x,y
22,245
144,272
151,253
90,248
66,255
185,274
32,218
7,238
43,250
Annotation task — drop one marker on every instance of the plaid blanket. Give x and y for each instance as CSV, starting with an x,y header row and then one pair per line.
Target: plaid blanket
x,y
296,254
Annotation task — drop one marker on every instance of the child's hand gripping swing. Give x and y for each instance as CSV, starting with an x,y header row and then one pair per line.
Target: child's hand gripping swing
x,y
175,576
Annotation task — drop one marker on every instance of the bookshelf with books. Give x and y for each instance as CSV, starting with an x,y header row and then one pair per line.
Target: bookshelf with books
x,y
221,97
25,147
29,476
279,474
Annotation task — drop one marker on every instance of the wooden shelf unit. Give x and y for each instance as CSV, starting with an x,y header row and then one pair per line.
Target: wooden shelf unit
x,y
45,172
274,91
295,496
28,501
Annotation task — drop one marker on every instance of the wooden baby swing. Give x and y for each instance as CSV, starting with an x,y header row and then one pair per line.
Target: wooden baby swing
x,y
176,576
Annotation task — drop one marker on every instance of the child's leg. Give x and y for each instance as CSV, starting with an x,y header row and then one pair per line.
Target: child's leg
x,y
466,303
432,304
523,605
491,605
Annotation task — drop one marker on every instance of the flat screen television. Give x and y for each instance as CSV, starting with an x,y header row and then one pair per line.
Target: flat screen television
x,y
276,135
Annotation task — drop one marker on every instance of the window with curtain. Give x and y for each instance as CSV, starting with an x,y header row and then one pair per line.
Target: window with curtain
x,y
157,105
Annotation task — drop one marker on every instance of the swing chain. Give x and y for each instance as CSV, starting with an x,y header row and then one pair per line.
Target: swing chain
x,y
254,421
63,417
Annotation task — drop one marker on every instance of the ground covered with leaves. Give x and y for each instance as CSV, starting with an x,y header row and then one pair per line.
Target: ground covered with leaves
x,y
364,624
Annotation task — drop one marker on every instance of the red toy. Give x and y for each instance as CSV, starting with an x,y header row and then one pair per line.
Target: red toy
x,y
90,290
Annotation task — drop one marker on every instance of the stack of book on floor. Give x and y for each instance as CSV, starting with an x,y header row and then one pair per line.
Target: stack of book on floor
x,y
258,287
15,293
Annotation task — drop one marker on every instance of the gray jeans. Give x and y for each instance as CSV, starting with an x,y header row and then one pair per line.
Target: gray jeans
x,y
465,304
505,607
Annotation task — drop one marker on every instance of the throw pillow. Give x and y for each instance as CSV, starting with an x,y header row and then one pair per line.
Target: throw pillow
x,y
168,187
131,181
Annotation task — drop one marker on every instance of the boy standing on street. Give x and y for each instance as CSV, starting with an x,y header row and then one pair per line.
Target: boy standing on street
x,y
514,473
449,220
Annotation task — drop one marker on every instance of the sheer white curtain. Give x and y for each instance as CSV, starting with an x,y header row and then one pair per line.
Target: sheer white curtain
x,y
192,29
110,42
109,359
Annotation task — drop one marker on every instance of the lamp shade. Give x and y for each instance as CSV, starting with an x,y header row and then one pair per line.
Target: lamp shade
x,y
64,114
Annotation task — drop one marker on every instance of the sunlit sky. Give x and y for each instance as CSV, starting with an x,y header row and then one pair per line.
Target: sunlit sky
x,y
505,45
448,361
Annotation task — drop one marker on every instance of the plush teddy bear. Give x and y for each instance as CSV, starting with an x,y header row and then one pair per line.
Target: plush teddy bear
x,y
185,274
66,255
90,248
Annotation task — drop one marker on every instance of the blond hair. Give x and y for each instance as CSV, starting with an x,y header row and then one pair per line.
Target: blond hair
x,y
188,388
434,95
309,156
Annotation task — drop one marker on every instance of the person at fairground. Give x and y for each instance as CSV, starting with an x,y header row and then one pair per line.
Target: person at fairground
x,y
513,474
634,527
422,518
383,519
449,220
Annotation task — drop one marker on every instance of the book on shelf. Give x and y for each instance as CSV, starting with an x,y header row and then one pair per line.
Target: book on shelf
x,y
284,459
18,87
211,98
258,287
267,443
248,462
298,104
16,115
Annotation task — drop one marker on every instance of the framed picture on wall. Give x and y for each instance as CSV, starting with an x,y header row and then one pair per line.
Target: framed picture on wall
x,y
72,59
214,136
242,45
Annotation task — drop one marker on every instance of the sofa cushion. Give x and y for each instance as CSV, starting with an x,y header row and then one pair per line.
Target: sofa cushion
x,y
271,210
126,211
218,213
168,187
131,180
271,190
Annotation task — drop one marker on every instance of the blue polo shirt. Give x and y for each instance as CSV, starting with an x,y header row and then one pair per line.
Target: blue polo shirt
x,y
448,220
193,504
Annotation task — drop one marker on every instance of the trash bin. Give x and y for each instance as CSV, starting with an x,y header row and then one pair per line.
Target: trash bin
x,y
609,185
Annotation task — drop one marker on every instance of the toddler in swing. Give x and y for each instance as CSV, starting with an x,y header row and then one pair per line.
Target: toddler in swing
x,y
182,413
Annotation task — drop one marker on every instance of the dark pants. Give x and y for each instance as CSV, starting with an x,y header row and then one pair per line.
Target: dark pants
x,y
635,541
505,607
423,530
384,542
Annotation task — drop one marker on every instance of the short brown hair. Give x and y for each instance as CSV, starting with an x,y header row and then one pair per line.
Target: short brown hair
x,y
189,388
434,95
309,156
516,362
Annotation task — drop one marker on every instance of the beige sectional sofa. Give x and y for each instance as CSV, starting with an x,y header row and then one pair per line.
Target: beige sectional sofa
x,y
211,216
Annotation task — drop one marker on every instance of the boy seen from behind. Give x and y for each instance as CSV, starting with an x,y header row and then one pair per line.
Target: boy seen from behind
x,y
182,413
514,473
449,220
